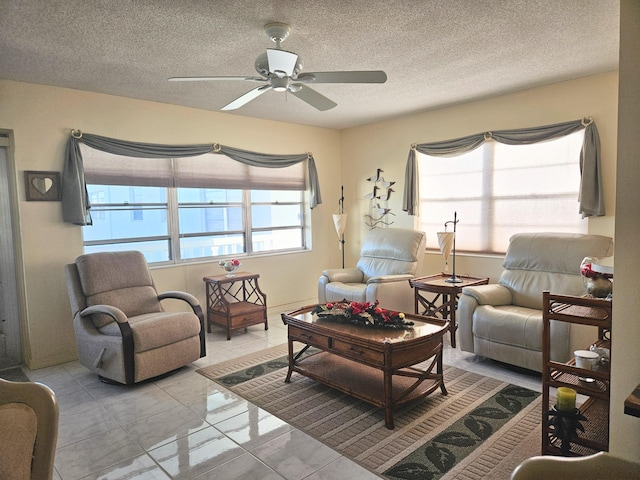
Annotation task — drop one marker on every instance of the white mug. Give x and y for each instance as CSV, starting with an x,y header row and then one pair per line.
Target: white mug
x,y
588,360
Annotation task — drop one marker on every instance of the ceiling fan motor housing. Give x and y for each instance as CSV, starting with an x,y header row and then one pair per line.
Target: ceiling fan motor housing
x,y
262,66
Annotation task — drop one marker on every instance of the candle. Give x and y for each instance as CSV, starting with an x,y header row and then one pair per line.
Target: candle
x,y
566,399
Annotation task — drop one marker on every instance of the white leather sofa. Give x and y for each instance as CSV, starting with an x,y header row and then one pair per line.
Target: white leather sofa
x,y
388,259
503,321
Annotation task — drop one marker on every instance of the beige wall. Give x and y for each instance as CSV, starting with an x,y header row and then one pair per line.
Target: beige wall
x,y
41,118
625,371
386,145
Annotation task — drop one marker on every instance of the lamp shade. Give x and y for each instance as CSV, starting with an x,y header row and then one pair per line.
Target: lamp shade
x,y
445,242
340,222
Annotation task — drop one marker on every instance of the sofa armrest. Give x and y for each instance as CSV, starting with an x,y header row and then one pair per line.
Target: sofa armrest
x,y
390,278
493,294
344,275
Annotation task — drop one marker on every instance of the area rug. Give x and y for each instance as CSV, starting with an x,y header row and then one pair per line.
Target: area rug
x,y
481,430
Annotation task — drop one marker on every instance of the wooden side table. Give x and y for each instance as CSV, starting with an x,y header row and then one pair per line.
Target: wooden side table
x,y
446,293
235,302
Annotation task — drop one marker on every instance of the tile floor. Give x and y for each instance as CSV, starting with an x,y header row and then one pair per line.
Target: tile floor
x,y
188,427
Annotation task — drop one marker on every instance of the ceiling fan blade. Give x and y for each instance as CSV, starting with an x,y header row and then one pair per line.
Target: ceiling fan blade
x,y
313,98
281,61
207,79
246,98
370,76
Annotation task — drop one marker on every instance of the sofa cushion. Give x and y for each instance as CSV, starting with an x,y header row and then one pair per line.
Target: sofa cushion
x,y
527,286
336,291
554,252
391,251
121,280
155,330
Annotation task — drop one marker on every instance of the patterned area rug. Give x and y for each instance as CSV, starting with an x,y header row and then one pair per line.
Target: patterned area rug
x,y
481,430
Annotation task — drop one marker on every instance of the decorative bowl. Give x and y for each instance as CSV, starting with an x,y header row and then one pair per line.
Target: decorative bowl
x,y
230,266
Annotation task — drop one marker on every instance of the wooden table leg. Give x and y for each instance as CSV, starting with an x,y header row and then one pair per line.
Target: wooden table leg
x,y
450,313
288,378
388,399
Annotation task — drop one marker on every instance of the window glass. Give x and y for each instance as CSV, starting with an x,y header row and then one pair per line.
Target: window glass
x,y
176,224
498,190
283,239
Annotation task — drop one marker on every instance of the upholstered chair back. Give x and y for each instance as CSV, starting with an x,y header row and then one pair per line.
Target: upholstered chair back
x,y
548,261
391,251
121,280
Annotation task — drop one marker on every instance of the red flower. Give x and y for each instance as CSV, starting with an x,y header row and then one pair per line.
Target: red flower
x,y
586,271
329,306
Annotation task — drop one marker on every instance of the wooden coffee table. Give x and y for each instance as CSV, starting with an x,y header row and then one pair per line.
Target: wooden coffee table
x,y
377,365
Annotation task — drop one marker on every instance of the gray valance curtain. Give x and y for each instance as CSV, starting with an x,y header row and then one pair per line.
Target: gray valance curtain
x,y
75,204
590,196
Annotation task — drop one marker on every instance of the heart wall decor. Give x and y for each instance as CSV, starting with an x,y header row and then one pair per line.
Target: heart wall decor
x,y
42,186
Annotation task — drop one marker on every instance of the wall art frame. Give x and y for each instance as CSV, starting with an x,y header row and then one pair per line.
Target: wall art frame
x,y
42,186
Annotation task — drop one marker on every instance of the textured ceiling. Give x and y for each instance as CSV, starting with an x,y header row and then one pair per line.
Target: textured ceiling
x,y
435,52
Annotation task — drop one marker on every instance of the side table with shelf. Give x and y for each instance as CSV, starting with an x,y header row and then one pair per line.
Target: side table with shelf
x,y
235,302
585,311
446,293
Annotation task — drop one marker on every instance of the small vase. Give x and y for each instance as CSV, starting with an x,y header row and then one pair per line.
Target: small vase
x,y
599,287
595,283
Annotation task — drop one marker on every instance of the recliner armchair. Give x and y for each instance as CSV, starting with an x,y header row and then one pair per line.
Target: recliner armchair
x,y
123,333
389,258
503,321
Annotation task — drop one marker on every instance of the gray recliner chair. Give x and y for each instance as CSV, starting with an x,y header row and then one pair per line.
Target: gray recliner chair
x,y
388,259
123,333
503,321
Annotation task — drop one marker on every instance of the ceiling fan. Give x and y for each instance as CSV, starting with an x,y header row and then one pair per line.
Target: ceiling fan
x,y
281,71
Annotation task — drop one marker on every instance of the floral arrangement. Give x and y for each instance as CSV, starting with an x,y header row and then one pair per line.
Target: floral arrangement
x,y
362,313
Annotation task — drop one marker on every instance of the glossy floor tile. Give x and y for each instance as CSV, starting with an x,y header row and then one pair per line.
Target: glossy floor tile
x,y
185,426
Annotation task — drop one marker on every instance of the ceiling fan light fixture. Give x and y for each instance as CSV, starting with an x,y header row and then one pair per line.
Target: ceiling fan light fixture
x,y
280,84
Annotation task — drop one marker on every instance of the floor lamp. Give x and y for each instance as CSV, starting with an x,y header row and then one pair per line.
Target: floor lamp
x,y
447,244
340,222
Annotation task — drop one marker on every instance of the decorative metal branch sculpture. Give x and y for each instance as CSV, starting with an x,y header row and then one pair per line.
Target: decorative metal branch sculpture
x,y
379,211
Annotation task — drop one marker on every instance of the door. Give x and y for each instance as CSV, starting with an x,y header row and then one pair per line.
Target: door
x,y
10,339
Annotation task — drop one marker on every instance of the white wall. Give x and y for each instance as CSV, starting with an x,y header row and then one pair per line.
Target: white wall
x,y
625,372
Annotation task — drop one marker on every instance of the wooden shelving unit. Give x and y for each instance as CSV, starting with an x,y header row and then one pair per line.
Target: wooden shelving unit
x,y
585,311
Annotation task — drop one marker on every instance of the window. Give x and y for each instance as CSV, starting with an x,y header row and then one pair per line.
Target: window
x,y
180,223
498,190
